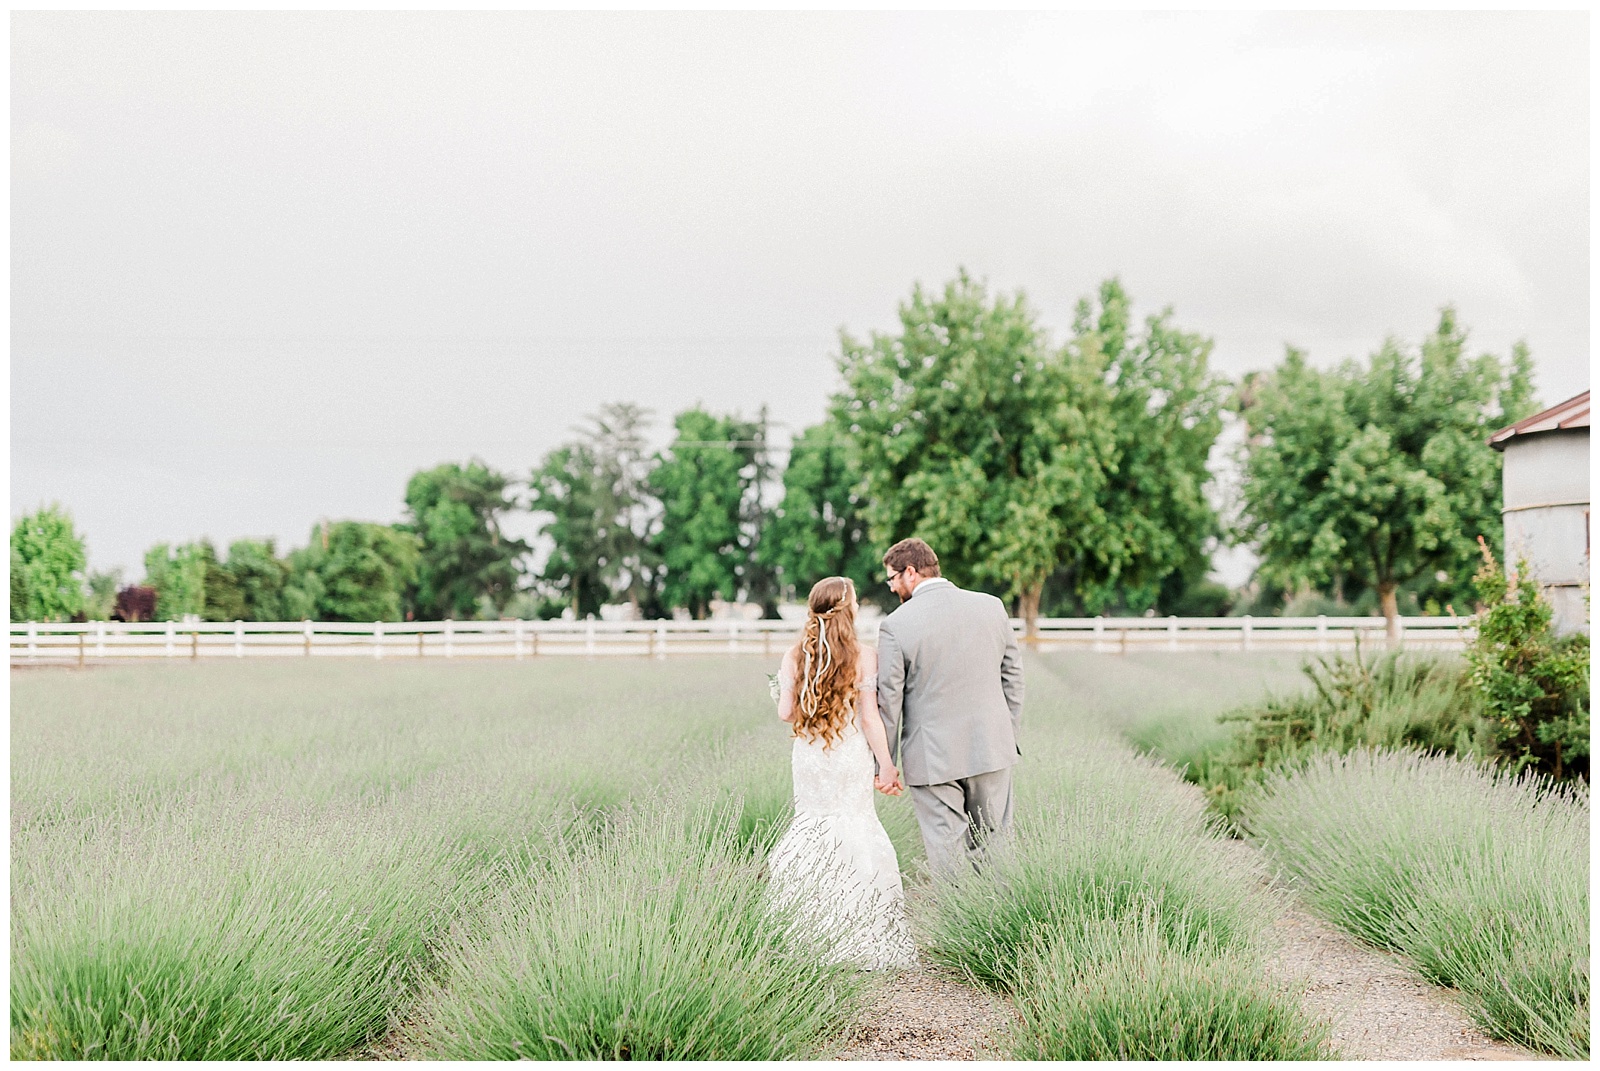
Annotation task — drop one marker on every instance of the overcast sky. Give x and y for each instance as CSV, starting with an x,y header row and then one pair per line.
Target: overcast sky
x,y
265,266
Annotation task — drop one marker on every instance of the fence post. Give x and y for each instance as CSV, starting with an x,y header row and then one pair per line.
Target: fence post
x,y
33,640
99,639
170,637
1245,639
1172,632
194,644
517,632
82,636
449,638
377,639
308,637
661,638
1122,647
238,638
1322,632
650,636
419,643
1099,633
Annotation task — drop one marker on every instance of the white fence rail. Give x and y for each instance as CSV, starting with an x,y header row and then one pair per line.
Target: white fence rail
x,y
99,641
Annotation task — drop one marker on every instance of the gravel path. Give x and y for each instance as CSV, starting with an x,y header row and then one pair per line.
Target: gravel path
x,y
927,1014
1378,1006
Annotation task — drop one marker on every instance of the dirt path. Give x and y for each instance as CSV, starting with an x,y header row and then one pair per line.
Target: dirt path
x,y
1379,1007
927,1014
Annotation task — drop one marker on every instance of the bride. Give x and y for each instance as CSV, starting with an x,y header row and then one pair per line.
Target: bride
x,y
835,863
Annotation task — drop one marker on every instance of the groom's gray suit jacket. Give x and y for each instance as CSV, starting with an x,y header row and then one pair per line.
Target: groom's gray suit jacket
x,y
948,666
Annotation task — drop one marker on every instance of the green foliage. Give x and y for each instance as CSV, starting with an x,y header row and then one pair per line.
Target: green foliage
x,y
1165,411
654,942
455,513
179,577
352,571
1362,478
1396,701
596,493
709,483
820,527
1107,842
260,577
47,564
1480,877
1534,686
973,434
1125,994
101,598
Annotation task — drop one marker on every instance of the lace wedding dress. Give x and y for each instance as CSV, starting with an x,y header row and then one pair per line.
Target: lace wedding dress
x,y
835,863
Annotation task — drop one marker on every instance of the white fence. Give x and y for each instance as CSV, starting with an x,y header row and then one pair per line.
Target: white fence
x,y
97,641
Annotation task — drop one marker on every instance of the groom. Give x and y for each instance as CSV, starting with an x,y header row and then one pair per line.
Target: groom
x,y
950,692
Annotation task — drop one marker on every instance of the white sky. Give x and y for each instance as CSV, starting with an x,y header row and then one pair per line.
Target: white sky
x,y
265,266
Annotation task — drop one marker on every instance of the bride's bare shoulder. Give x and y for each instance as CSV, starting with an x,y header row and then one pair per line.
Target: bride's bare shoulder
x,y
869,660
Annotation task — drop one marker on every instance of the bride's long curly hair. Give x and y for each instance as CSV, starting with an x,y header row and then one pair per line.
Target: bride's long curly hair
x,y
826,659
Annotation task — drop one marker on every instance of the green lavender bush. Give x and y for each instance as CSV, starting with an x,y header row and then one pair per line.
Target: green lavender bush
x,y
652,940
1478,876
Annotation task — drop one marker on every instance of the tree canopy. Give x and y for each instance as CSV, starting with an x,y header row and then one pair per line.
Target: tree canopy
x,y
595,493
47,566
463,558
709,482
819,528
352,571
1366,476
974,435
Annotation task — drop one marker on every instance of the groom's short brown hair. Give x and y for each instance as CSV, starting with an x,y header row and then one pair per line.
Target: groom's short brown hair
x,y
912,553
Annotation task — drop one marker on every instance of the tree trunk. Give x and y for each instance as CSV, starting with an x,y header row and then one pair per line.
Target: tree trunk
x,y
1028,610
1391,610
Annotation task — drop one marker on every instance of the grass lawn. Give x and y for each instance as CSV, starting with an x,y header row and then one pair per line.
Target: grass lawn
x,y
276,859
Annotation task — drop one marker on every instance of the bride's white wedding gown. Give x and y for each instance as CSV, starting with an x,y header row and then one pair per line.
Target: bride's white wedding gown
x,y
835,863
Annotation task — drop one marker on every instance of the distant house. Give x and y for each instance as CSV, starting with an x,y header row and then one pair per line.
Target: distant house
x,y
1546,503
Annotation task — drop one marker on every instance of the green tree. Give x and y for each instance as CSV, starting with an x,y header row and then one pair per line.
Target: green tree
x,y
224,598
179,576
972,433
1164,407
102,595
710,483
260,576
596,493
820,528
47,566
465,559
1367,477
352,571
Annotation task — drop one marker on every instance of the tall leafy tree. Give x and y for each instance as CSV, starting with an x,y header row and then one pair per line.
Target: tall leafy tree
x,y
465,559
595,492
260,576
352,571
972,433
710,482
178,575
47,566
1164,407
1367,476
819,527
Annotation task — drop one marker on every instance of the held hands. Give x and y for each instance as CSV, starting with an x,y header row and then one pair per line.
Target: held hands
x,y
888,781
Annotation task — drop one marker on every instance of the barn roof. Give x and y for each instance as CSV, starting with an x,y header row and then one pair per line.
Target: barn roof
x,y
1572,413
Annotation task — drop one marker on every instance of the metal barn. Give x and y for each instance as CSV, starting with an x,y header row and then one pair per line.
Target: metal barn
x,y
1546,504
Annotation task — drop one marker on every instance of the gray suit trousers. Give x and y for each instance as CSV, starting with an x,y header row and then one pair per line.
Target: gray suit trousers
x,y
958,817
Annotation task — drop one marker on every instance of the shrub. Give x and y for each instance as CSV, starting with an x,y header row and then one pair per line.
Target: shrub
x,y
1534,686
1397,701
1479,876
242,934
1122,993
1107,844
649,940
